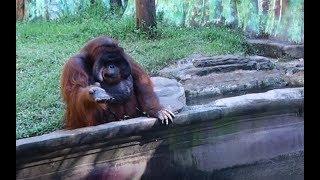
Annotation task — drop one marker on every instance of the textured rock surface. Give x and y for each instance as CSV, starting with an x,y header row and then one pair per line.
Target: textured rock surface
x,y
208,78
275,49
170,92
201,66
246,62
214,86
294,71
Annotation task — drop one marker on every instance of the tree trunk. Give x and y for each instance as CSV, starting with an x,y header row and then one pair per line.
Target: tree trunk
x,y
20,9
145,14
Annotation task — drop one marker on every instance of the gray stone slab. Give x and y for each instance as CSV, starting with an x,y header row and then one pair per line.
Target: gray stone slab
x,y
201,66
275,49
209,78
224,62
215,86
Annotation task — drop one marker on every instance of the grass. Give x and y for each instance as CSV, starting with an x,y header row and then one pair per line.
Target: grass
x,y
44,46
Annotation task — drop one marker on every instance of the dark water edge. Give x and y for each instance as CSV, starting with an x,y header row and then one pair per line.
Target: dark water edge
x,y
288,166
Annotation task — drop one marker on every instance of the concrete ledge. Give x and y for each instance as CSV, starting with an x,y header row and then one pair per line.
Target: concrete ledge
x,y
289,99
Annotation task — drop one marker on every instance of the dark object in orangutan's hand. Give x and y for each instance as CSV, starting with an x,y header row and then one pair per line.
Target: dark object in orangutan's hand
x,y
102,83
98,94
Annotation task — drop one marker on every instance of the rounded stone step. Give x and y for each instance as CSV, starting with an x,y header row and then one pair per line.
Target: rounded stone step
x,y
170,92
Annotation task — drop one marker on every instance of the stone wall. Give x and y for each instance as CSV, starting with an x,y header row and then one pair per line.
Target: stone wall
x,y
243,133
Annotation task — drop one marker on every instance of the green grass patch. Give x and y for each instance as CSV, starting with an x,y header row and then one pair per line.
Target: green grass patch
x,y
44,46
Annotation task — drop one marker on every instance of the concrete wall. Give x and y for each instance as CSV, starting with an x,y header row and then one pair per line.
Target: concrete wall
x,y
240,135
